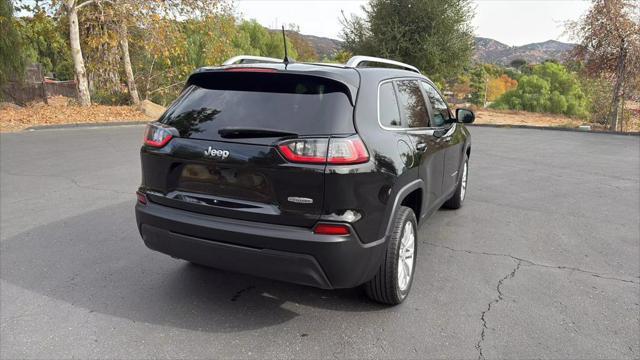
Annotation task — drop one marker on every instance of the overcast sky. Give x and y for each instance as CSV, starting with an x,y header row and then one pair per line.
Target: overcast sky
x,y
513,22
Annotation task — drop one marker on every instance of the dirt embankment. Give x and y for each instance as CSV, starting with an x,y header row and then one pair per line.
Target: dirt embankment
x,y
508,117
524,118
59,111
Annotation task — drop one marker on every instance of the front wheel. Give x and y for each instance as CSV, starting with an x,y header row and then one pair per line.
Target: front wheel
x,y
393,281
455,202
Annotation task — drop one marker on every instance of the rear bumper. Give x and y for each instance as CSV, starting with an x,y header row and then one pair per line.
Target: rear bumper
x,y
286,253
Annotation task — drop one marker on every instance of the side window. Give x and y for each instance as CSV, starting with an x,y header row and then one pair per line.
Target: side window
x,y
412,104
440,109
389,113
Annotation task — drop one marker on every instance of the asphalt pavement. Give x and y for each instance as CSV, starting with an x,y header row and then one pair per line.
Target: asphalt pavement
x,y
542,261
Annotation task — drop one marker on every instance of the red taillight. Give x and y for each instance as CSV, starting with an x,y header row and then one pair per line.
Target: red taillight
x,y
331,229
142,198
339,151
312,151
157,135
349,150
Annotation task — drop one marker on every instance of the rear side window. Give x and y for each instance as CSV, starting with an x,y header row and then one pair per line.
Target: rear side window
x,y
388,106
298,104
412,104
441,112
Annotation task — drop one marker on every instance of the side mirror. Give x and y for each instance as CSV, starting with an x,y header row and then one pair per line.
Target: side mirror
x,y
465,116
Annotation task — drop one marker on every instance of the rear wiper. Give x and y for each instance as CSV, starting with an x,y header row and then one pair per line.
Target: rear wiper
x,y
239,132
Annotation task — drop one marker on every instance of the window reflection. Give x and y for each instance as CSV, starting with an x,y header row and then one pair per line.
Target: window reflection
x,y
412,103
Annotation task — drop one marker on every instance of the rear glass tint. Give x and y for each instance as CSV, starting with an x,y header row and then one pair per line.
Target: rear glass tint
x,y
388,106
298,104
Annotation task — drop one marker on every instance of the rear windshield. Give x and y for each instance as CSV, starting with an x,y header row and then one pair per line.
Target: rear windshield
x,y
297,104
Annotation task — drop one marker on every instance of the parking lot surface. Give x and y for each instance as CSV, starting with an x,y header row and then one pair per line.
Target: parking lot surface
x,y
543,260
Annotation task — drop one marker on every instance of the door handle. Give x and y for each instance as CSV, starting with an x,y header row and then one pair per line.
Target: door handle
x,y
440,133
422,147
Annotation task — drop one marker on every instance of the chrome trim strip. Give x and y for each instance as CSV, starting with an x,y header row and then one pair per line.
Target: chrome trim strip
x,y
420,130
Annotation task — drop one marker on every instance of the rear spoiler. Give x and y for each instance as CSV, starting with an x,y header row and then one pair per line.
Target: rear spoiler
x,y
235,73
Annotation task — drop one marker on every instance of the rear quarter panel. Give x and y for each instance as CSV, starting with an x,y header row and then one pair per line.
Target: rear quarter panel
x,y
370,188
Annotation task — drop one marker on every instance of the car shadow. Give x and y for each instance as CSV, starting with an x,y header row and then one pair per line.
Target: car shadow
x,y
97,261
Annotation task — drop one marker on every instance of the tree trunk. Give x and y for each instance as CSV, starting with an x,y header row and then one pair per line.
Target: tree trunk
x,y
76,54
622,115
131,81
618,87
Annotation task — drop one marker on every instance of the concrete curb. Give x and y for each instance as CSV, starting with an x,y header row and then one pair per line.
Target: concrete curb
x,y
633,133
85,125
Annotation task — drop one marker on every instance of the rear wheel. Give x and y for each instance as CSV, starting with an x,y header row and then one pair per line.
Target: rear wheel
x,y
455,202
393,281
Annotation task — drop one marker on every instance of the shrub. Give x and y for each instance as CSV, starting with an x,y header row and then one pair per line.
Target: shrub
x,y
550,88
111,98
557,103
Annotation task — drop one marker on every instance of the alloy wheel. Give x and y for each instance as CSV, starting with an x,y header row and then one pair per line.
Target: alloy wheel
x,y
406,257
463,189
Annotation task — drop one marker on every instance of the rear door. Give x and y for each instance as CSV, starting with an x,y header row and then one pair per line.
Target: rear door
x,y
451,140
427,149
225,161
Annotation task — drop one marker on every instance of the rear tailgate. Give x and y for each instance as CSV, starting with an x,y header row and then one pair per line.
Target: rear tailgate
x,y
246,177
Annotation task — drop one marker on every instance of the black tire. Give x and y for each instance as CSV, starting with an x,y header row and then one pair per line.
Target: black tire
x,y
456,200
385,287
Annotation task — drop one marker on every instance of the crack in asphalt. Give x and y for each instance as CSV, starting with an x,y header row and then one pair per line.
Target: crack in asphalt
x,y
239,293
533,263
519,262
71,180
491,303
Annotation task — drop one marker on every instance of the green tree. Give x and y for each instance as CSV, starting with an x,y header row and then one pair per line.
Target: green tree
x,y
550,87
207,40
12,60
478,85
518,63
254,39
341,57
434,35
46,43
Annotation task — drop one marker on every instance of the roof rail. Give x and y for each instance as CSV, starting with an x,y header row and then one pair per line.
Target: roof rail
x,y
355,61
249,59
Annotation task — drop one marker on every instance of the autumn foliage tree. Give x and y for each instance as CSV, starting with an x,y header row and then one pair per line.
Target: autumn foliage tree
x,y
123,51
305,51
609,38
500,85
71,8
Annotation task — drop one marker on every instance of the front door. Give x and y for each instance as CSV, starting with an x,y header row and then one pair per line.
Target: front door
x,y
448,137
428,151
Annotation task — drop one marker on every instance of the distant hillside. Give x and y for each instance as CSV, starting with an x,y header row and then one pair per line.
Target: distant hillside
x,y
495,52
324,47
487,50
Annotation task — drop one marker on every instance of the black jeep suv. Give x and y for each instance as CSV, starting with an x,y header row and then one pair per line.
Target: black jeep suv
x,y
315,174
